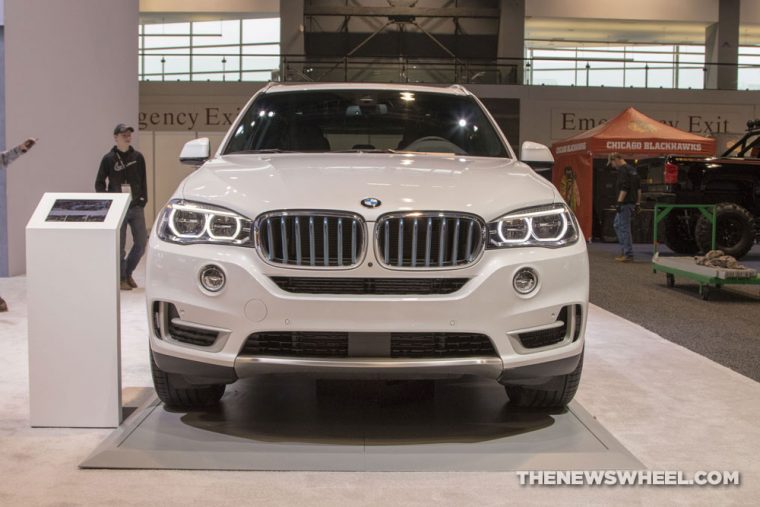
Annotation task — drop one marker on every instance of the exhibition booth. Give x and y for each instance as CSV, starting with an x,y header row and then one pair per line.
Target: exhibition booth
x,y
580,160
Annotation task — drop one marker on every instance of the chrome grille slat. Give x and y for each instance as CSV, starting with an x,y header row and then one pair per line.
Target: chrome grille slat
x,y
298,241
386,255
469,242
447,239
312,243
428,237
326,242
414,244
311,239
455,243
270,237
353,241
284,236
400,243
339,245
442,243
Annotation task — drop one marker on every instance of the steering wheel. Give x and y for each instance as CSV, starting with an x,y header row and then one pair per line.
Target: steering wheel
x,y
435,144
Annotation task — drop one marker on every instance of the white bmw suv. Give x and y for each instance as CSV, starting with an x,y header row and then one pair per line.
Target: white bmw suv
x,y
352,230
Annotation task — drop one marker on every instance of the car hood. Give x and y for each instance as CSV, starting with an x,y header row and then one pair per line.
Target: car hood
x,y
253,184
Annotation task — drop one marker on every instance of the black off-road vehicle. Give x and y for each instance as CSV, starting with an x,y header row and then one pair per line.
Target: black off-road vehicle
x,y
731,182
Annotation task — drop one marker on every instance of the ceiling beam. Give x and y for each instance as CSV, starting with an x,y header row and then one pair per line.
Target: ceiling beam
x,y
384,12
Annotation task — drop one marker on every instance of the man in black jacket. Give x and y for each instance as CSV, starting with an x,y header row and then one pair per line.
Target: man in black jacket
x,y
628,192
123,170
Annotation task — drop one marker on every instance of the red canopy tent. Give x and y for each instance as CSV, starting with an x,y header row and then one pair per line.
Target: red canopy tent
x,y
630,133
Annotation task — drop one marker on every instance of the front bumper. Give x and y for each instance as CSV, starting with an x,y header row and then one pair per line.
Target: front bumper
x,y
251,302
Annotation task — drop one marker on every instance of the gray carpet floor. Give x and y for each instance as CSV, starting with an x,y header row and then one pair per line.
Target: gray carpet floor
x,y
726,328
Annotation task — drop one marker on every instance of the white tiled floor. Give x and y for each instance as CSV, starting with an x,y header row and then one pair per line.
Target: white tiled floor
x,y
673,409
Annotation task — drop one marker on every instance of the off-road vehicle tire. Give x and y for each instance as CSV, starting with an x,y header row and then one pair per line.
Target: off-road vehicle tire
x,y
678,232
556,393
186,398
734,230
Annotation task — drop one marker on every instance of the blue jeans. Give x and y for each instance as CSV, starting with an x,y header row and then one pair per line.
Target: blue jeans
x,y
136,220
622,225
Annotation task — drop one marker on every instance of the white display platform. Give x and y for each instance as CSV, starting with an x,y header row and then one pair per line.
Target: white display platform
x,y
72,259
293,423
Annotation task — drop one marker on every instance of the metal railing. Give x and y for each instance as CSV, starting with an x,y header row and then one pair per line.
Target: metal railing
x,y
566,71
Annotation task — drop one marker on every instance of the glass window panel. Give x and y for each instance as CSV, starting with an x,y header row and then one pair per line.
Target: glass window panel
x,y
176,63
553,77
166,42
635,76
216,32
152,64
691,78
261,30
166,28
660,76
749,70
264,49
208,63
208,77
608,77
749,79
257,76
260,62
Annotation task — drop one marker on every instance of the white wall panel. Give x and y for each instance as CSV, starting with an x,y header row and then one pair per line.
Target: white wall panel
x,y
71,76
653,10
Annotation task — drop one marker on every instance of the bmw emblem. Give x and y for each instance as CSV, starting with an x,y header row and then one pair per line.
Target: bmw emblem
x,y
371,202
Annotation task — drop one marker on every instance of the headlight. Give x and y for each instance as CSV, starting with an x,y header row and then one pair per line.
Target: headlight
x,y
549,226
187,222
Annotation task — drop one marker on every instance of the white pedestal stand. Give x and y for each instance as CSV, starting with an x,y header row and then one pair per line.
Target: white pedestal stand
x,y
72,251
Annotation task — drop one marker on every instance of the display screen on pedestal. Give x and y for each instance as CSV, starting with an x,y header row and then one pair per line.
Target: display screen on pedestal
x,y
79,210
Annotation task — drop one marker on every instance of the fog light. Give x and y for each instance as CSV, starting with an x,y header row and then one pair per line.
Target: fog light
x,y
525,281
212,278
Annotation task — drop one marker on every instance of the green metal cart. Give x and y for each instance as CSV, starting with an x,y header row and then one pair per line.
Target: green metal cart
x,y
706,277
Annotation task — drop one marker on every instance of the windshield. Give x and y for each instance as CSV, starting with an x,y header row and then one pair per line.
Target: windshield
x,y
366,120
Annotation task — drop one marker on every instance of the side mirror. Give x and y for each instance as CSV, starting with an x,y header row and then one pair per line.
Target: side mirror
x,y
538,157
195,152
531,152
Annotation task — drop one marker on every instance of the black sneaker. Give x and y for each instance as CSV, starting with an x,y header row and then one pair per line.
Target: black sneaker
x,y
131,282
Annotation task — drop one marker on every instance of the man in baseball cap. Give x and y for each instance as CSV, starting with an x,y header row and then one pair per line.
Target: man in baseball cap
x,y
121,128
123,170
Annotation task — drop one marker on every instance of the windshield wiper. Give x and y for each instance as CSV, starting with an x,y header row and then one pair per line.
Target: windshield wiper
x,y
367,150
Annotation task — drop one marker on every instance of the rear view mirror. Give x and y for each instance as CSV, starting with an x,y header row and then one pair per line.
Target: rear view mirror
x,y
195,152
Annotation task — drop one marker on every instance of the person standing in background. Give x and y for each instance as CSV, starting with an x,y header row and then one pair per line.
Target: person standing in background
x,y
122,169
6,158
628,192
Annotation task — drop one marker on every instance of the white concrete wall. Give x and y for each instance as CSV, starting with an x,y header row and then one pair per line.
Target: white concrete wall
x,y
71,76
210,6
652,10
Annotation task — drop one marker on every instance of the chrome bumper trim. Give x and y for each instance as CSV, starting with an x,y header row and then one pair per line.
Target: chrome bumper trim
x,y
489,367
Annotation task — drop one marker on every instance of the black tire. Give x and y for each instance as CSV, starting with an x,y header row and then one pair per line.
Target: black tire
x,y
186,398
556,393
679,228
734,230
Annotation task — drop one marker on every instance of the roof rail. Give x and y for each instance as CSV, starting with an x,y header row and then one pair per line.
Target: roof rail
x,y
460,88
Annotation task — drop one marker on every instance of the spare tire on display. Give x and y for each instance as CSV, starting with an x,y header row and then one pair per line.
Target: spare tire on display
x,y
734,231
679,227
